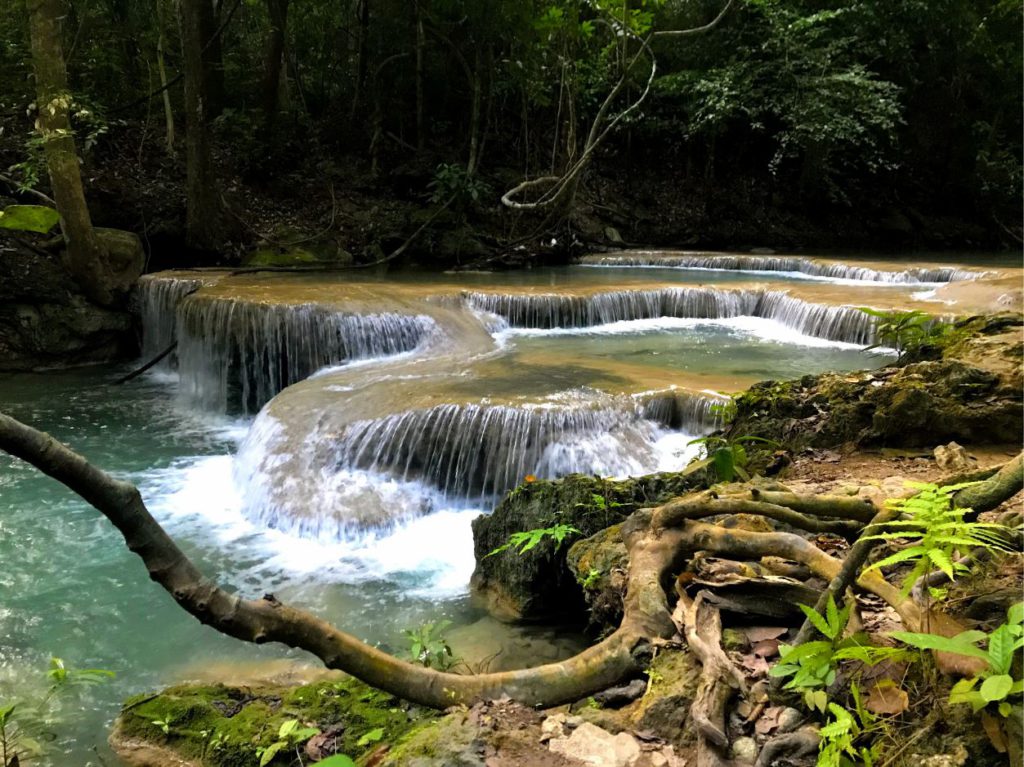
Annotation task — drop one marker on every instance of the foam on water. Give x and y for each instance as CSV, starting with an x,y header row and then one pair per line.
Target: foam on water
x,y
198,499
756,327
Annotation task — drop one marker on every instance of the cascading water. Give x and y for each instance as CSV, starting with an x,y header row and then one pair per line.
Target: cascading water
x,y
375,473
484,450
234,356
791,264
545,311
157,301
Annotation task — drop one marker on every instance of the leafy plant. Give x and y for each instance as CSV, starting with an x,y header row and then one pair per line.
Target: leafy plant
x,y
289,735
591,578
529,539
25,726
840,735
728,457
428,646
906,331
935,531
996,683
454,182
812,665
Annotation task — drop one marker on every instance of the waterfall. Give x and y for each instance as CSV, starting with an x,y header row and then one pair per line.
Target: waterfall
x,y
545,311
156,302
784,264
234,356
550,310
688,411
480,450
833,323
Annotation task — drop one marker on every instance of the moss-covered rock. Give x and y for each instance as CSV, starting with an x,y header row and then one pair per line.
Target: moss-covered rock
x,y
923,404
221,726
599,564
539,584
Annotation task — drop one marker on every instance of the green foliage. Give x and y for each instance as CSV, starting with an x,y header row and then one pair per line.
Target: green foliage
x,y
29,218
908,332
453,181
590,579
529,539
728,457
289,735
28,726
428,646
935,532
845,731
812,666
996,684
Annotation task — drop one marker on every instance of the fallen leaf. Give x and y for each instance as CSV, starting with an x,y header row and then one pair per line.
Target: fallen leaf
x,y
769,720
886,697
994,731
769,648
760,633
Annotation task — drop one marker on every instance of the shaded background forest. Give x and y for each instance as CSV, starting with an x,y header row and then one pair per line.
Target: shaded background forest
x,y
790,124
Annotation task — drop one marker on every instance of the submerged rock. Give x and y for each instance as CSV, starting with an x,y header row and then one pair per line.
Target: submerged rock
x,y
539,584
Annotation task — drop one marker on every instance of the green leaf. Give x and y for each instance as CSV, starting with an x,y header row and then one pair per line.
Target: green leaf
x,y
941,561
338,760
372,736
819,622
1000,649
270,752
996,687
287,728
725,465
29,218
961,644
1015,615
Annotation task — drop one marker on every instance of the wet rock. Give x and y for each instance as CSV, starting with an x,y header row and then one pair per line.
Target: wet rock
x,y
953,457
539,585
598,748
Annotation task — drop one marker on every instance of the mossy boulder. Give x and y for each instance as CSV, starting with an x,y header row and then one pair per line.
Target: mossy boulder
x,y
539,585
222,726
970,394
599,564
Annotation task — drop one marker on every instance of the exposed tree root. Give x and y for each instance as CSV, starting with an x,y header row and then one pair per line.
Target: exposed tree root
x,y
658,542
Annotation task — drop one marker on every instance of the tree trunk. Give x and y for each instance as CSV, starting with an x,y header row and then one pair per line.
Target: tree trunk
x,y
212,57
277,10
421,42
86,258
168,111
362,53
203,212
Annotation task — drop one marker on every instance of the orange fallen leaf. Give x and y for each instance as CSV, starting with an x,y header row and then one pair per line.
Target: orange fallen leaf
x,y
887,697
994,730
530,478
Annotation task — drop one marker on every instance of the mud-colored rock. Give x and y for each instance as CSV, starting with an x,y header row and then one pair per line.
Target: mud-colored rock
x,y
953,457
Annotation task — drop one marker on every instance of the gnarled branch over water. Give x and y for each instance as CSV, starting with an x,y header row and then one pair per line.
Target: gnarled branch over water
x,y
657,540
